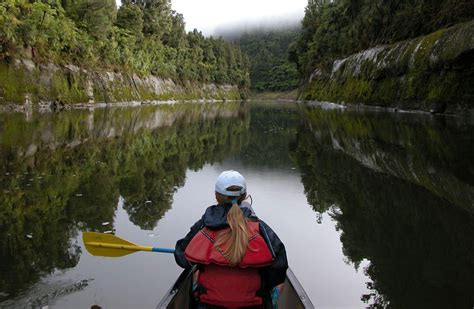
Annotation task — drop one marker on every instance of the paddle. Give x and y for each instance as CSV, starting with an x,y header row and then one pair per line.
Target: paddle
x,y
99,244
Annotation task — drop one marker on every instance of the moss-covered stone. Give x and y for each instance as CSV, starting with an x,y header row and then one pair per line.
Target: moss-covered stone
x,y
9,91
433,72
70,85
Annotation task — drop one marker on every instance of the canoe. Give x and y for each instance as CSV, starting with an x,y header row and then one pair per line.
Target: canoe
x,y
179,296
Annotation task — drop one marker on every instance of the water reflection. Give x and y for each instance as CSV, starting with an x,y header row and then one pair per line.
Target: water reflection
x,y
65,172
273,127
399,187
401,190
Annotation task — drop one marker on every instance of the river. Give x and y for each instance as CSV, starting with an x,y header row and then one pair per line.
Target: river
x,y
375,208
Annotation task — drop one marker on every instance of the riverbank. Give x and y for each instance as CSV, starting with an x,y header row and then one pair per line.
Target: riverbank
x,y
54,106
25,83
430,73
278,96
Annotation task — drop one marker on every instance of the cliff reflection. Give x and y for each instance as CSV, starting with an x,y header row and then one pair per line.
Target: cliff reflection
x,y
400,189
62,173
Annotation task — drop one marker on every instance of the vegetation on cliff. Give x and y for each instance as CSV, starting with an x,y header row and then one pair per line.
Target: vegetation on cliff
x,y
336,29
398,53
144,37
432,72
270,69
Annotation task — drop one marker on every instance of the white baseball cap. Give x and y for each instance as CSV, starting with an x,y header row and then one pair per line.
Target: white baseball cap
x,y
228,179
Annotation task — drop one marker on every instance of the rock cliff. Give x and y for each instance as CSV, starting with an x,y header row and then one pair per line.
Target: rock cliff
x,y
26,83
433,73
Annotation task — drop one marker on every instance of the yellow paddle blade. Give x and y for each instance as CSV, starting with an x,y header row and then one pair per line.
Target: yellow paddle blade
x,y
99,244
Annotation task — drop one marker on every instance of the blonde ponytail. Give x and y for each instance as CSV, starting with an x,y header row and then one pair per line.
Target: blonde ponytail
x,y
237,237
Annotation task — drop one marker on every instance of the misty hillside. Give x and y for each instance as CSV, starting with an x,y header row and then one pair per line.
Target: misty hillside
x,y
266,46
234,31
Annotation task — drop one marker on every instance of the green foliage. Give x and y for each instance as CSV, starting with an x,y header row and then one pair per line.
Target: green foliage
x,y
268,54
96,17
8,27
145,37
42,27
157,18
130,17
335,29
430,72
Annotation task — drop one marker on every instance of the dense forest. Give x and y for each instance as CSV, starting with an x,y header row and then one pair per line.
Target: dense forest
x,y
141,36
332,29
270,69
148,37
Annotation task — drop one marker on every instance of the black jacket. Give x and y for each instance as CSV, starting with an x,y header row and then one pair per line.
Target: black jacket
x,y
215,217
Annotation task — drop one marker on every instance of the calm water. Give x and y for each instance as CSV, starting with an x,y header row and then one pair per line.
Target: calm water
x,y
375,208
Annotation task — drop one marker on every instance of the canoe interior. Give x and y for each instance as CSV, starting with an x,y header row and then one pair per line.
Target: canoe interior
x,y
179,296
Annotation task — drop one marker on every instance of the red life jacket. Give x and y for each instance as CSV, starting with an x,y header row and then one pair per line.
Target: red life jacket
x,y
221,284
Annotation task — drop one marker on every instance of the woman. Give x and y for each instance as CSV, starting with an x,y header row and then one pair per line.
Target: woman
x,y
240,259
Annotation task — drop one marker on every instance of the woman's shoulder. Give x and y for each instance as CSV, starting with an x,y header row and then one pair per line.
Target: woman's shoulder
x,y
215,216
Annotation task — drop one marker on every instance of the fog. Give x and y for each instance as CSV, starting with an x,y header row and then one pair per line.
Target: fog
x,y
213,16
218,17
235,30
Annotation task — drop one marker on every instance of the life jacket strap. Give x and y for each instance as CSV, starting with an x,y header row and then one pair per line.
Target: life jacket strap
x,y
263,293
213,241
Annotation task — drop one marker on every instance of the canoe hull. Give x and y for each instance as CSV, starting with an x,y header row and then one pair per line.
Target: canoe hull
x,y
179,296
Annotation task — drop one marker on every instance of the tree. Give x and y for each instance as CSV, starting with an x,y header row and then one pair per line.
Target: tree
x,y
268,52
95,16
176,37
130,17
157,18
9,23
334,29
144,37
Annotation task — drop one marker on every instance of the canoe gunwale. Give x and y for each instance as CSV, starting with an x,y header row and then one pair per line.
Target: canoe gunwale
x,y
173,291
290,276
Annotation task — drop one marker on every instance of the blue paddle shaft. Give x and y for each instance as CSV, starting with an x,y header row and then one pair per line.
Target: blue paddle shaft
x,y
163,250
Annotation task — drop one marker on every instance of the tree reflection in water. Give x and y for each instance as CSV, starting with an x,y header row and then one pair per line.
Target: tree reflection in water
x,y
62,173
400,187
385,182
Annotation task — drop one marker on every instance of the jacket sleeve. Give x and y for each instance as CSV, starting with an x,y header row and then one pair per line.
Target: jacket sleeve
x,y
183,243
274,274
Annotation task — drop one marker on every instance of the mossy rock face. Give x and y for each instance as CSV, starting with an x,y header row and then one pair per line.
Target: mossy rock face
x,y
10,77
25,81
433,73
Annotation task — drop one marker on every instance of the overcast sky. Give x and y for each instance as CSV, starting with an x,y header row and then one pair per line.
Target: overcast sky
x,y
208,15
